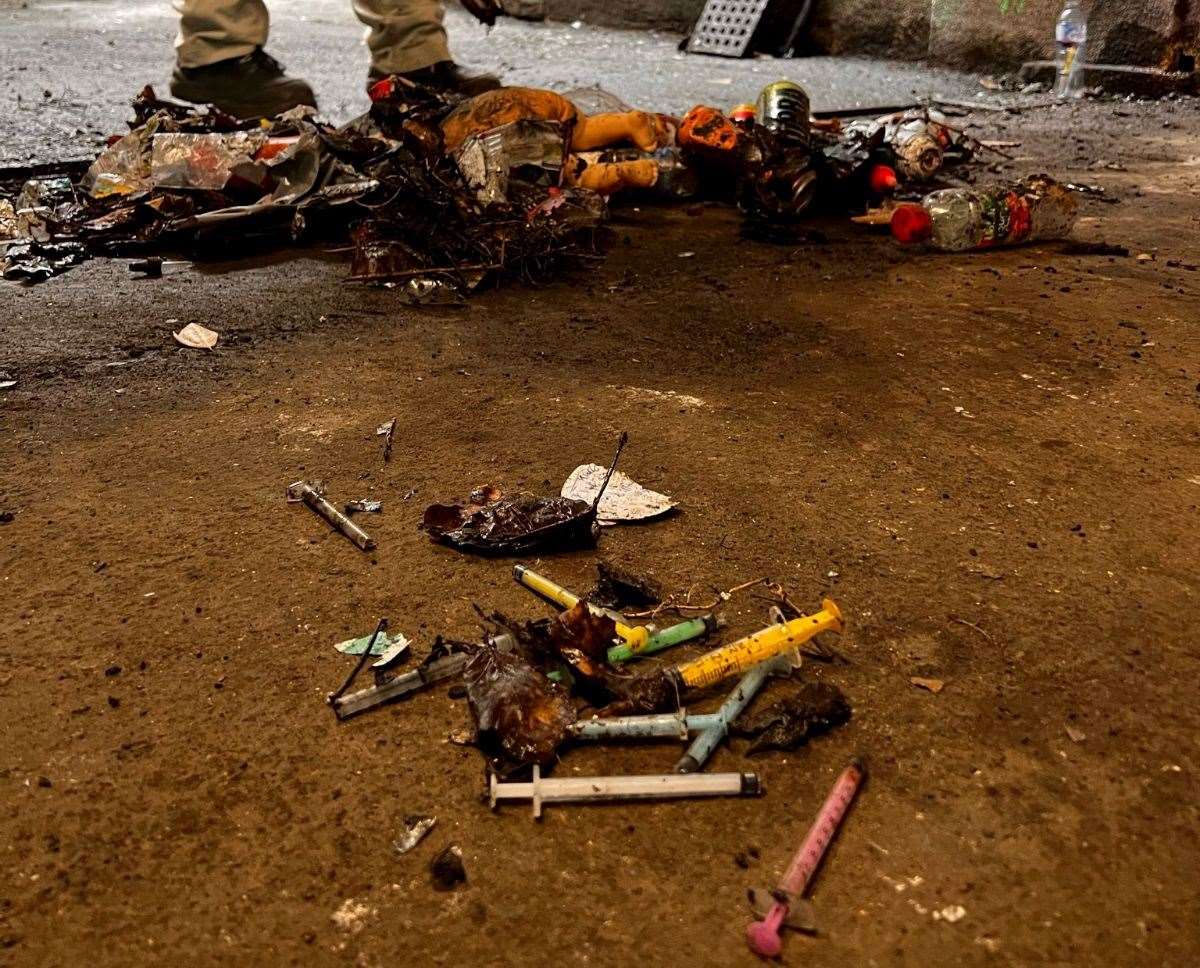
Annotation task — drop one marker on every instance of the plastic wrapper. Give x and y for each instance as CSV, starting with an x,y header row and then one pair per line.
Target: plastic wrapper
x,y
855,145
9,228
295,169
490,523
521,716
513,525
596,100
529,151
124,166
37,261
205,161
578,638
46,193
571,208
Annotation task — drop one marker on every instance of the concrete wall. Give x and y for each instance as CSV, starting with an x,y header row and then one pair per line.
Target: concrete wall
x,y
971,34
676,15
883,28
1003,33
1148,34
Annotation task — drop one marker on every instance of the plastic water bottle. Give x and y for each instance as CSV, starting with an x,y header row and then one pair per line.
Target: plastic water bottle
x,y
1070,41
959,219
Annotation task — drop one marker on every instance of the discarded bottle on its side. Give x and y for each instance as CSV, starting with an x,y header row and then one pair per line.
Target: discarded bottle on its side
x,y
959,219
916,146
1070,46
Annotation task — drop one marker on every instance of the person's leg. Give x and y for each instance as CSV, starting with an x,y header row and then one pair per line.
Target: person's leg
x,y
406,37
403,35
217,30
221,60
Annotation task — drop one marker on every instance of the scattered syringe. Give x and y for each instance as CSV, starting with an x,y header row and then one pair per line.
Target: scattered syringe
x,y
305,493
740,656
577,789
636,640
422,677
788,897
710,728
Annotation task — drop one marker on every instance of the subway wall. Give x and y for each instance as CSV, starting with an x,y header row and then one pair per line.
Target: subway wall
x,y
976,34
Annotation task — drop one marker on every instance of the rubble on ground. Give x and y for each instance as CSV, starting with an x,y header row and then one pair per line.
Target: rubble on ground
x,y
437,195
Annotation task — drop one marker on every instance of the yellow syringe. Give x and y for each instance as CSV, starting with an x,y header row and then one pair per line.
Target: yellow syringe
x,y
737,657
635,636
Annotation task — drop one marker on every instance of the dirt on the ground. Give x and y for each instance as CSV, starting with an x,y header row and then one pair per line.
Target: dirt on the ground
x,y
989,461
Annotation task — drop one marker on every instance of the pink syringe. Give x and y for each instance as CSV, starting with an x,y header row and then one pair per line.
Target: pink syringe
x,y
787,905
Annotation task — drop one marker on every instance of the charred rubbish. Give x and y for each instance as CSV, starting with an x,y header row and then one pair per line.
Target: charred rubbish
x,y
436,195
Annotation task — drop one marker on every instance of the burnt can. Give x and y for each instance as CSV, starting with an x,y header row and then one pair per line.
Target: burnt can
x,y
783,109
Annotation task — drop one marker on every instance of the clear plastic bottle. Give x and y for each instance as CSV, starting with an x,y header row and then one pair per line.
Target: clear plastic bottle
x,y
959,219
1070,44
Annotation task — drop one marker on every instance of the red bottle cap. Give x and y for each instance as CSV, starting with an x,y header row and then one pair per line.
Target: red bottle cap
x,y
381,90
882,179
911,223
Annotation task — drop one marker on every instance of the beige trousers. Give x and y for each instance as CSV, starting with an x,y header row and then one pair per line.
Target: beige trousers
x,y
402,35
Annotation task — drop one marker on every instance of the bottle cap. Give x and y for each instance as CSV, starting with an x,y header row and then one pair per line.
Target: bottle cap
x,y
743,112
381,90
882,179
911,223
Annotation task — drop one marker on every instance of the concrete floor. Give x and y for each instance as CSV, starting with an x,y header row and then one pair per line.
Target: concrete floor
x,y
989,460
69,69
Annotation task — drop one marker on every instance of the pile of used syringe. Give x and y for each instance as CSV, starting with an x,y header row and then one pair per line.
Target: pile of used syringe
x,y
536,687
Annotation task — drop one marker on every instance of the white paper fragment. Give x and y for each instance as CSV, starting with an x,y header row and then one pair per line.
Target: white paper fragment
x,y
624,499
197,337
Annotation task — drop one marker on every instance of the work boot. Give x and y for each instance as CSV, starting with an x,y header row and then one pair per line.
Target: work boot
x,y
444,76
253,86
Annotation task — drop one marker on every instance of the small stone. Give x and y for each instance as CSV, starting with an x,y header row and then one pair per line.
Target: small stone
x,y
951,913
446,871
112,670
352,916
415,829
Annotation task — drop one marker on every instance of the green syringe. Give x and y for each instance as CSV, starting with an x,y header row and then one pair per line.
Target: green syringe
x,y
637,639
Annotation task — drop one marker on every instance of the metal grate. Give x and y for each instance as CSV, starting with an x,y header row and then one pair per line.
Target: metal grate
x,y
726,26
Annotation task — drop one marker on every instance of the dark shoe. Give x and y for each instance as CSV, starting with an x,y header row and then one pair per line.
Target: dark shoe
x,y
445,76
253,86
